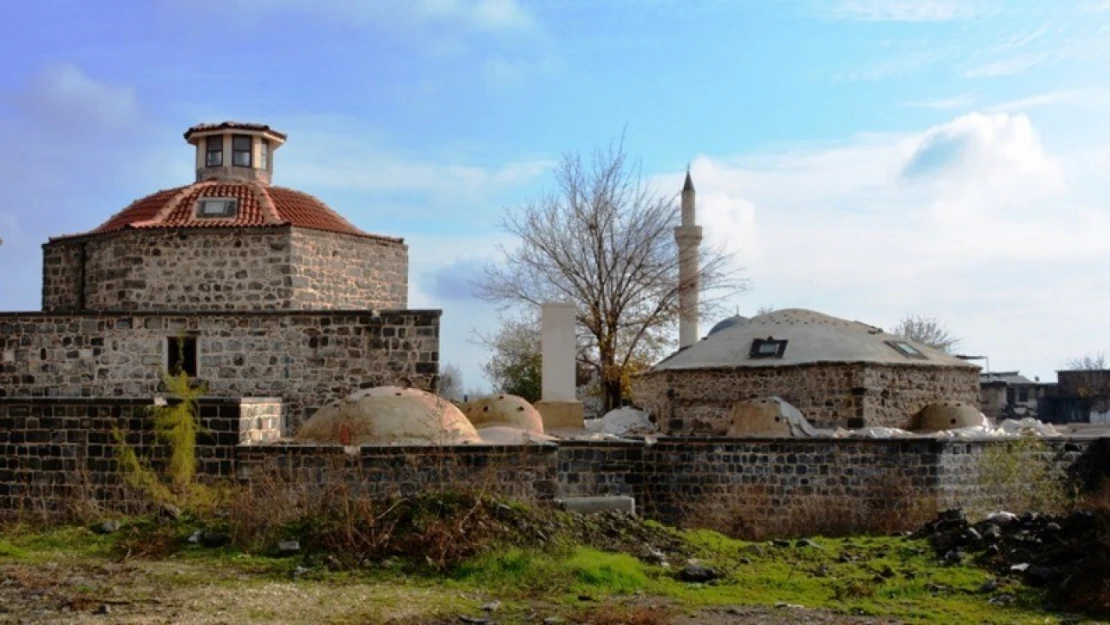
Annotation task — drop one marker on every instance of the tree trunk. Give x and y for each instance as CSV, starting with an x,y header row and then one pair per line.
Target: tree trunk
x,y
613,395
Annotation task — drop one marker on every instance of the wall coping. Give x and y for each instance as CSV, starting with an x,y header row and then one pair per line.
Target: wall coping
x,y
438,312
129,401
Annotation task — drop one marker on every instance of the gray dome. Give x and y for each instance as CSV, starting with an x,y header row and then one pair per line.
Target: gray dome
x,y
797,337
727,323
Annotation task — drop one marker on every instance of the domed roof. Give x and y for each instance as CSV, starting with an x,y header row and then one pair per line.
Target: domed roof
x,y
389,415
259,205
796,337
727,323
234,162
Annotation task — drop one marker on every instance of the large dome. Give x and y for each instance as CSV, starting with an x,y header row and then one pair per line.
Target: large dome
x,y
234,166
797,337
259,206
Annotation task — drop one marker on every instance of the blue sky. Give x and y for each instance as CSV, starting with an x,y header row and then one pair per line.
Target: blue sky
x,y
864,158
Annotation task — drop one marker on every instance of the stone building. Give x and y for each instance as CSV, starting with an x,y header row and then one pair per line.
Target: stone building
x,y
1010,395
254,289
837,372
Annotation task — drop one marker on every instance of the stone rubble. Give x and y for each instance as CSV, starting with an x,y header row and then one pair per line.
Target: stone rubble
x,y
1039,550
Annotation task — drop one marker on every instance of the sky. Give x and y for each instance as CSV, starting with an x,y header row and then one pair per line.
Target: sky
x,y
868,159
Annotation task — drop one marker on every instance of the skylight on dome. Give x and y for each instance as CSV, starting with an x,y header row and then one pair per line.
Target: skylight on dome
x,y
907,350
217,208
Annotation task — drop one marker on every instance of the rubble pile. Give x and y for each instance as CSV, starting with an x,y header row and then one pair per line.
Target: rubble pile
x,y
1052,552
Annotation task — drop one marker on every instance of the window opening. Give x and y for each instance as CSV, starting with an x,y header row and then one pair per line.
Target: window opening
x,y
215,151
181,355
241,150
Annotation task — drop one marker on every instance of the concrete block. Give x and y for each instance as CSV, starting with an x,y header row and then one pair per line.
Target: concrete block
x,y
594,505
561,414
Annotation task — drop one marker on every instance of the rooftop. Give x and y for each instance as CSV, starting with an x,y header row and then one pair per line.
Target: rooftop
x,y
234,165
257,206
797,337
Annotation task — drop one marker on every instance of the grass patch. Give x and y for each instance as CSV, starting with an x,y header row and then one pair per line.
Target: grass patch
x,y
877,576
523,572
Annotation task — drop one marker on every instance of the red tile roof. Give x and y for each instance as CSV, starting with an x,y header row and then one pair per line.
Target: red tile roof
x,y
259,206
233,126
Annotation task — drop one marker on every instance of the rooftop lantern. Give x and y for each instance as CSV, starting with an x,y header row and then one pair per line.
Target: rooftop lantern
x,y
234,151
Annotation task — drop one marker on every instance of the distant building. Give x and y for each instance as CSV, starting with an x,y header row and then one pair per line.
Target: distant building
x,y
1010,395
1080,396
839,373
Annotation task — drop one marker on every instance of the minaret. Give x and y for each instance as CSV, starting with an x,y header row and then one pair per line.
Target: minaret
x,y
688,237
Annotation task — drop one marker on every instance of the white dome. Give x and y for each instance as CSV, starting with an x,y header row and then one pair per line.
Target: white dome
x,y
389,415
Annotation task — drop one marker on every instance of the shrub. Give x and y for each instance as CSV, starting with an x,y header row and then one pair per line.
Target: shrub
x,y
1090,591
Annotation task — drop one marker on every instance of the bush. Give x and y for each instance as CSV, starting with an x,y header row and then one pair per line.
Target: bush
x,y
1090,590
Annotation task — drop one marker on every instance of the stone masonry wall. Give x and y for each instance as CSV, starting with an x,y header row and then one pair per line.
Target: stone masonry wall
x,y
187,270
306,359
828,394
222,269
525,473
339,271
52,450
896,393
62,276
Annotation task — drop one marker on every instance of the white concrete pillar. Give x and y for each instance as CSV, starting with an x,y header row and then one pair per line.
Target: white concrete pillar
x,y
558,351
559,405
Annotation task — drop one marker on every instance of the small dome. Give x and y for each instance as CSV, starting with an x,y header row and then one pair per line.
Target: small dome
x,y
503,409
389,415
946,415
727,323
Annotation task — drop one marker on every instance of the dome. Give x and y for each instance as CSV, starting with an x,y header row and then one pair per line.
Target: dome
x,y
234,165
799,337
389,415
257,206
503,409
727,323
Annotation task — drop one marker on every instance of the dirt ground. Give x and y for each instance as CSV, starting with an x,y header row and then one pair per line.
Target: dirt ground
x,y
145,592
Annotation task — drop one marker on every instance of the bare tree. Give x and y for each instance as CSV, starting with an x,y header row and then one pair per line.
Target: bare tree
x,y
763,310
450,382
604,241
1088,362
927,331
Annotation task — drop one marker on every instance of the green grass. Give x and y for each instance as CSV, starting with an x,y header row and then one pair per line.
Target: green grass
x,y
878,576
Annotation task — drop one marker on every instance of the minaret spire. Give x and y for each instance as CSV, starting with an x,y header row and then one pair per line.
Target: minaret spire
x,y
688,237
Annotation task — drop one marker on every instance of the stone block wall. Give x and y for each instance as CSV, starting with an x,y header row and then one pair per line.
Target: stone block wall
x,y
259,420
895,393
305,358
525,473
341,271
601,468
62,276
830,395
224,269
55,452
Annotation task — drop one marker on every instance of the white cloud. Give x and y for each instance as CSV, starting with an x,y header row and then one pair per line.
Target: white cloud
x,y
1067,97
65,98
903,10
963,100
972,221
